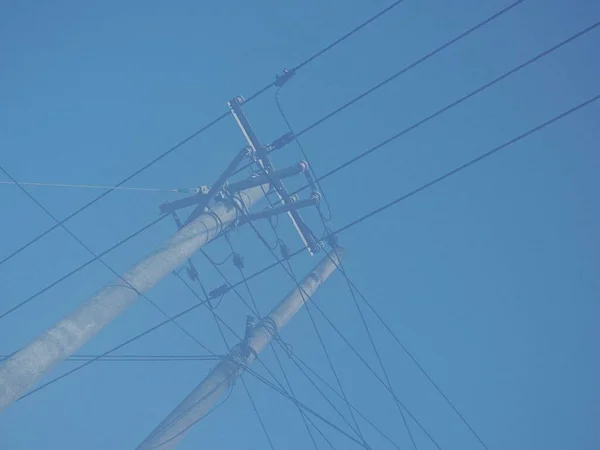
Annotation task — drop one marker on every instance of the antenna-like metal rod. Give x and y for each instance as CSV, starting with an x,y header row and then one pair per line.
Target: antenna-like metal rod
x,y
22,369
223,376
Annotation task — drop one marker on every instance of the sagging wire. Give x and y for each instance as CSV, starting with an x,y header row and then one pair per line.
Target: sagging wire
x,y
339,264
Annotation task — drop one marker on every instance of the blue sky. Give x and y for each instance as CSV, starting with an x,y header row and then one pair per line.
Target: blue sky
x,y
490,278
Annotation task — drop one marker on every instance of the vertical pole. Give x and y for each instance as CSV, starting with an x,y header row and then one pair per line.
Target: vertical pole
x,y
21,370
198,403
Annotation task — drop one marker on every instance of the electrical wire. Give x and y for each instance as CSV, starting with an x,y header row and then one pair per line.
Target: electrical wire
x,y
298,362
258,314
469,163
324,220
291,356
242,210
368,366
348,226
304,407
437,180
304,154
303,293
104,263
94,186
347,35
113,349
371,150
262,424
137,358
305,419
352,287
411,66
204,397
80,267
342,270
402,71
250,398
307,297
417,364
202,130
456,102
254,309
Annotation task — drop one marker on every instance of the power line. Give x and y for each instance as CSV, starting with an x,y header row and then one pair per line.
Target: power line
x,y
115,348
254,310
307,409
104,194
468,164
201,130
105,264
347,35
82,266
367,152
429,55
348,226
279,340
315,305
324,220
137,358
304,154
411,66
305,419
218,322
376,351
435,181
304,295
296,359
457,102
419,366
94,186
299,363
352,287
262,424
239,266
209,393
401,72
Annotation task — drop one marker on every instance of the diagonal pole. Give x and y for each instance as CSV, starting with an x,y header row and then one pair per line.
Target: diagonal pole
x,y
22,369
200,401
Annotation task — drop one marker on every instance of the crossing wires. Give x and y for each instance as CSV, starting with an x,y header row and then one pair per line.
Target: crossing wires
x,y
201,130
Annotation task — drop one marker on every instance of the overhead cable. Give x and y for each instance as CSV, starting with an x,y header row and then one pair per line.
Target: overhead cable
x,y
201,130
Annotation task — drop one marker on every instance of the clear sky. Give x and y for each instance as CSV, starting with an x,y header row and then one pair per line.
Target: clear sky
x,y
490,278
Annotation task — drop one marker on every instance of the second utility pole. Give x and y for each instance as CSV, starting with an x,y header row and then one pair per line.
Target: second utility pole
x,y
198,403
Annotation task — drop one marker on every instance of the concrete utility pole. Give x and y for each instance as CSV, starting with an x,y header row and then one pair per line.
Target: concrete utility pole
x,y
20,371
203,397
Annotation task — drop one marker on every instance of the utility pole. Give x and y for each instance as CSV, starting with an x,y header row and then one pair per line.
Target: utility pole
x,y
22,369
216,208
198,403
